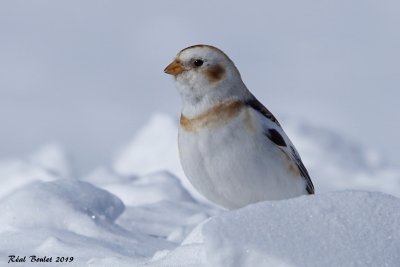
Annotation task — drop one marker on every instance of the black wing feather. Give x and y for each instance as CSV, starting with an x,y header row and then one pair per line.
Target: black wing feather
x,y
255,104
277,138
303,171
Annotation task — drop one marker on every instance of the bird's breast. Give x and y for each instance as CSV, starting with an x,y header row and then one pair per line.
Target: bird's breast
x,y
213,151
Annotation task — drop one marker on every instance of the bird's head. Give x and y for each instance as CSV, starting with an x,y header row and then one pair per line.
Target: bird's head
x,y
205,75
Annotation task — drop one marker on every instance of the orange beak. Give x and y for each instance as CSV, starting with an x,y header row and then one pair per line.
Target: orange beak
x,y
175,68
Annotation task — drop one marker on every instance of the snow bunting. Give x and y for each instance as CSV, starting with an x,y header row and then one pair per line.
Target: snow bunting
x,y
232,149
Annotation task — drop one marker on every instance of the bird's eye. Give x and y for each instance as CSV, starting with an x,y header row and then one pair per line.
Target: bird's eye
x,y
198,62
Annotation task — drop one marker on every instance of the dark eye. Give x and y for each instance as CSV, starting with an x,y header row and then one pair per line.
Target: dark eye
x,y
198,62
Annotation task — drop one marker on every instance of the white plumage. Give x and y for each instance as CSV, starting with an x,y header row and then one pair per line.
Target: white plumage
x,y
231,147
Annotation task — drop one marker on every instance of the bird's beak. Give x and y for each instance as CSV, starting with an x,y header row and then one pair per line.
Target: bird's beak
x,y
175,68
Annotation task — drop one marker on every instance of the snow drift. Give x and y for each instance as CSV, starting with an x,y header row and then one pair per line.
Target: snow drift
x,y
333,229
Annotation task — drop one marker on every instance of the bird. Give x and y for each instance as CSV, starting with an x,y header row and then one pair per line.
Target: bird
x,y
231,147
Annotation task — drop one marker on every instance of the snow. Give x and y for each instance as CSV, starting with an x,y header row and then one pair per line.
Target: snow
x,y
145,189
333,229
46,164
141,211
71,218
149,144
338,163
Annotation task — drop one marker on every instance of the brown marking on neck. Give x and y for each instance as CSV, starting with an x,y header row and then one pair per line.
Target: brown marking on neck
x,y
214,117
215,73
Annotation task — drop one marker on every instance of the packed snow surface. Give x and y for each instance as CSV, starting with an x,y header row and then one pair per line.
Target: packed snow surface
x,y
331,229
141,211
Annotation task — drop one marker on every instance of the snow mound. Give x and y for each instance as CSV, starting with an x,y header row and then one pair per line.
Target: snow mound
x,y
70,217
49,163
333,229
157,204
139,190
62,203
336,162
190,253
53,158
172,221
156,140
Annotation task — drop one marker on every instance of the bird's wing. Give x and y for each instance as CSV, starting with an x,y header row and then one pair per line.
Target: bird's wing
x,y
256,105
274,131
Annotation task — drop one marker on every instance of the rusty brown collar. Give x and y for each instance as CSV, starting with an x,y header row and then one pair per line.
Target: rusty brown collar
x,y
214,117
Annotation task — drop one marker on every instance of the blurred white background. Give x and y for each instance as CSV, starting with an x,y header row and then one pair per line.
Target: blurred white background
x,y
87,74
